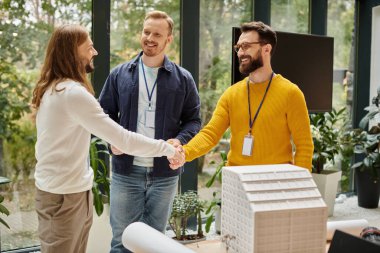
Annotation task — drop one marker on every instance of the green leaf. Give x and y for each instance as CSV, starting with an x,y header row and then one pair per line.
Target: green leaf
x,y
4,210
4,223
98,203
210,182
208,223
212,204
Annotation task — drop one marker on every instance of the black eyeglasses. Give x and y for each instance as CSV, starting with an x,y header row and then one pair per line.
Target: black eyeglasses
x,y
245,45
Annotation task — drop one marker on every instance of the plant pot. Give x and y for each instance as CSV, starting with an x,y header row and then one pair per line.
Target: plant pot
x,y
327,183
368,190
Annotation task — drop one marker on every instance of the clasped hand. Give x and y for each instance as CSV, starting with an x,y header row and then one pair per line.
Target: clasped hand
x,y
178,159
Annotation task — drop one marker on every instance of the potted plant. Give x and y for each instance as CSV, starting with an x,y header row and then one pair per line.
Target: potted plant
x,y
101,185
367,171
185,206
326,129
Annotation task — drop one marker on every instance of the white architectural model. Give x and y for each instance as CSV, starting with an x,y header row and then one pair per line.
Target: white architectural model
x,y
272,209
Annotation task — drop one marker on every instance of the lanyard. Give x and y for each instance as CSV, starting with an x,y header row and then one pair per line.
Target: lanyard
x,y
150,94
251,122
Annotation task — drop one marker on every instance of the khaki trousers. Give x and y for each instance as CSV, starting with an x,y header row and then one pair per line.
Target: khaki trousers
x,y
64,221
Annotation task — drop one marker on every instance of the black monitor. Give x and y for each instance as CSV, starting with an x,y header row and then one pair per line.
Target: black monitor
x,y
346,243
304,59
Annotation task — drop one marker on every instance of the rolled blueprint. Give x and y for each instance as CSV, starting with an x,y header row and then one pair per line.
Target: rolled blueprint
x,y
141,238
353,227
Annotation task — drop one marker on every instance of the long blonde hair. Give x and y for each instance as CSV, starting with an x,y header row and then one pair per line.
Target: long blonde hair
x,y
62,61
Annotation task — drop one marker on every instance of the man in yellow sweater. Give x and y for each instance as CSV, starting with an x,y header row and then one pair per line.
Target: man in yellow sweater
x,y
265,111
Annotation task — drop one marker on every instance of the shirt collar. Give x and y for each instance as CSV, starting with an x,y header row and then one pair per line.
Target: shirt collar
x,y
167,64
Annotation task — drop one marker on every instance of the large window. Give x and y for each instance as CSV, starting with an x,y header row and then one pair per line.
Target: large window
x,y
127,19
340,25
290,15
215,48
216,21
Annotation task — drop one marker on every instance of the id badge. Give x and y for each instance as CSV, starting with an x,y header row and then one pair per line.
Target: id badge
x,y
149,118
247,145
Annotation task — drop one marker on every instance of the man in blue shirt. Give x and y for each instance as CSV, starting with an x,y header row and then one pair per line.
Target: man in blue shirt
x,y
153,96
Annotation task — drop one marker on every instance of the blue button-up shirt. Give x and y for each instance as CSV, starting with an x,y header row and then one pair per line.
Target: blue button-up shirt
x,y
177,108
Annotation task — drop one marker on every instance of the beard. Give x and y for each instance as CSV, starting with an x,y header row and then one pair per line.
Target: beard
x,y
89,67
251,65
154,51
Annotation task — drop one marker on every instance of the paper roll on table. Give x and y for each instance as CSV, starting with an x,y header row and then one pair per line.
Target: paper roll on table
x,y
353,227
141,238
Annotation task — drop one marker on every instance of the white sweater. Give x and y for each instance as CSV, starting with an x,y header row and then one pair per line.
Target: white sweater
x,y
65,121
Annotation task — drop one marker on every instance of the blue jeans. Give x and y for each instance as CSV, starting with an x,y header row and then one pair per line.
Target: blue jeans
x,y
139,197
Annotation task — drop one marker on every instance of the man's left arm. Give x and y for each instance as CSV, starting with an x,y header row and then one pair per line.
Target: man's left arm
x,y
299,125
190,116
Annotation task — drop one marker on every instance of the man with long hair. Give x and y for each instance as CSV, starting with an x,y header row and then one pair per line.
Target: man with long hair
x,y
67,114
153,96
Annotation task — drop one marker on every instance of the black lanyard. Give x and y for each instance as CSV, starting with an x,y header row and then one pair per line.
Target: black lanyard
x,y
251,122
150,94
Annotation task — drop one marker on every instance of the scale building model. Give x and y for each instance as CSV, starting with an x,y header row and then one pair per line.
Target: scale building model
x,y
272,209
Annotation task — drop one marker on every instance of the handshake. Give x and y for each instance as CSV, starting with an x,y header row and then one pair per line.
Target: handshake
x,y
176,161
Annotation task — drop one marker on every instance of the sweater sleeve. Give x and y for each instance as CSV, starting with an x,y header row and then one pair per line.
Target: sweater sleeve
x,y
210,135
299,125
86,111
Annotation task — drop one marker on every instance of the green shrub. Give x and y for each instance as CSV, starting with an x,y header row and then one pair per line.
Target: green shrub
x,y
19,157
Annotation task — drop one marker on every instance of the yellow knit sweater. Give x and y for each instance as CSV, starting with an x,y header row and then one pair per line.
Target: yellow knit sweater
x,y
283,118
